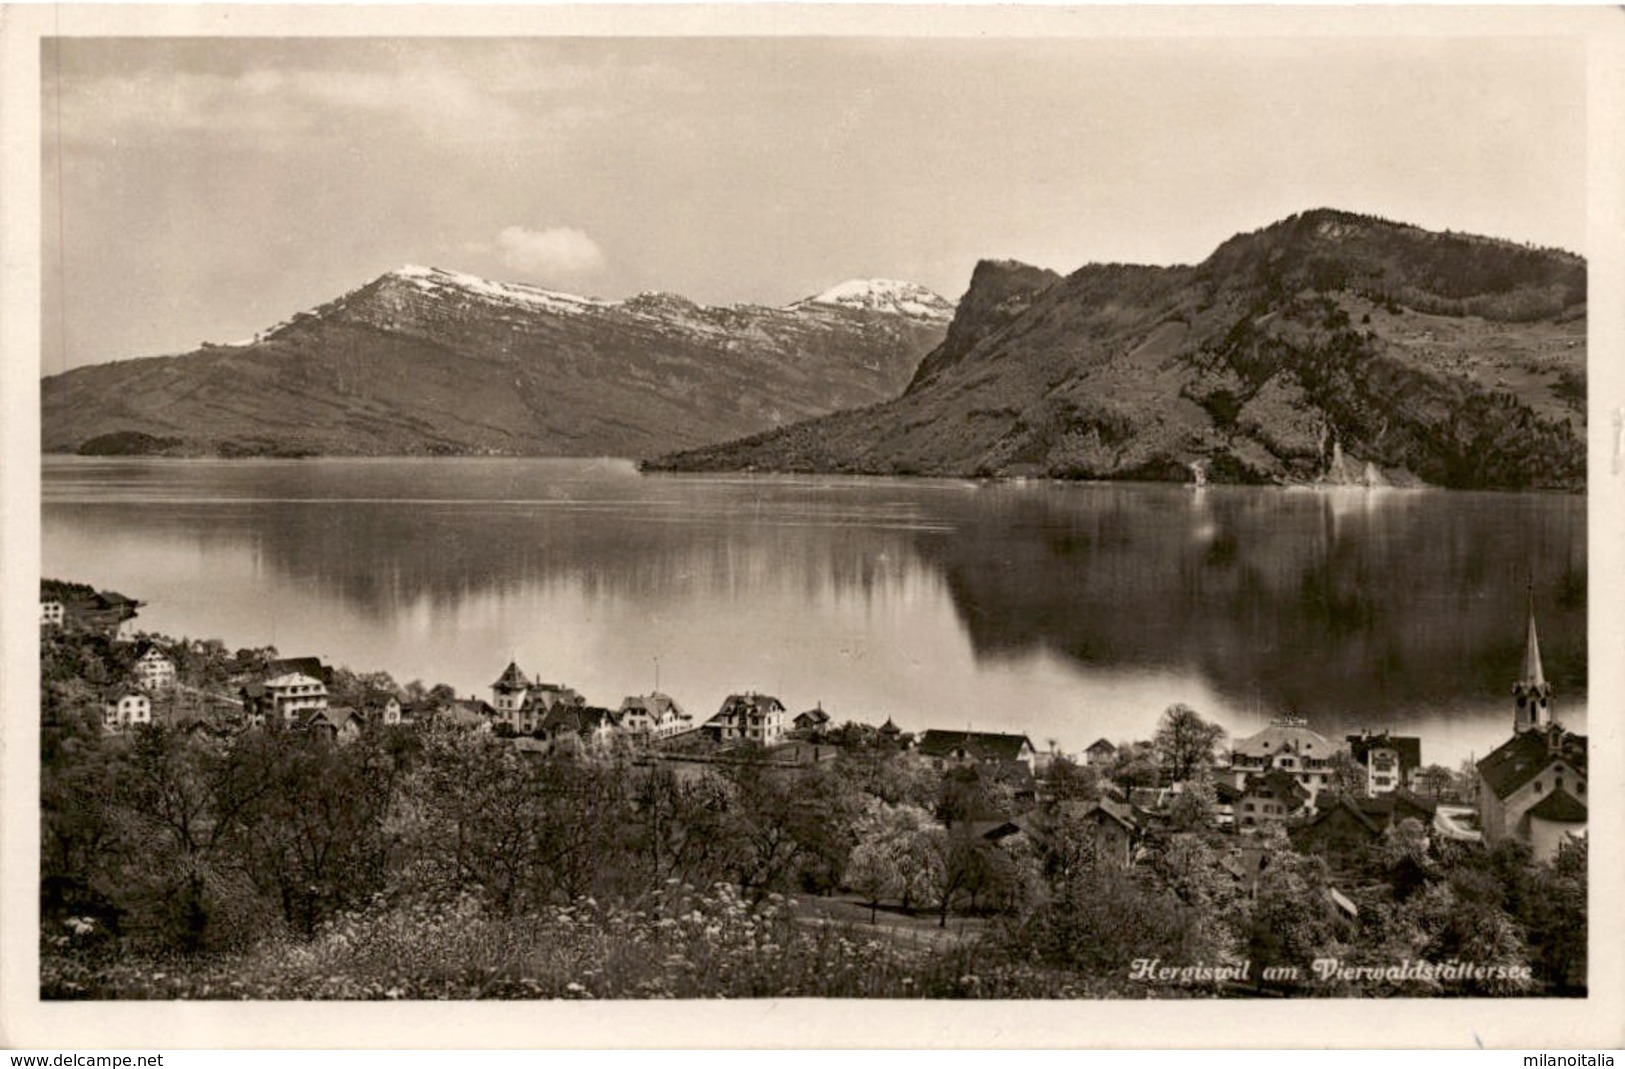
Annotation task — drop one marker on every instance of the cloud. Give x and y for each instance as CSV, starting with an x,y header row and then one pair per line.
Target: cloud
x,y
556,252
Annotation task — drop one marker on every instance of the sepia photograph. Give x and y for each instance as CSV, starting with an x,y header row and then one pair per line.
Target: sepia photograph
x,y
590,513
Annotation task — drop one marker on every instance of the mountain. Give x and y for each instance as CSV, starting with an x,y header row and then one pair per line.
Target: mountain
x,y
904,299
423,360
1329,347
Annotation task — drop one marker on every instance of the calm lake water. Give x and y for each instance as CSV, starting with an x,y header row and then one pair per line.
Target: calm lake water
x,y
1068,612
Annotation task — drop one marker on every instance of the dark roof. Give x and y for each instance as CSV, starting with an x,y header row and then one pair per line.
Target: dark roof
x,y
812,717
1122,814
991,830
982,745
1101,746
1409,748
124,690
738,704
552,695
307,666
562,719
1526,755
1560,807
593,716
1225,792
511,679
1373,820
889,728
1280,784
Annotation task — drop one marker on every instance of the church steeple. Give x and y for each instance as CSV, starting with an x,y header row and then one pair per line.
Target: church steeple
x,y
1532,693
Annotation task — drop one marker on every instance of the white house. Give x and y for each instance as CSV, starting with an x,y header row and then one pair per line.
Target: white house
x,y
380,707
749,717
1390,761
653,717
293,695
154,669
950,749
1287,745
52,613
126,708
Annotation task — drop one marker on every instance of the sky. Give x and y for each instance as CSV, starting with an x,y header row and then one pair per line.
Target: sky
x,y
202,189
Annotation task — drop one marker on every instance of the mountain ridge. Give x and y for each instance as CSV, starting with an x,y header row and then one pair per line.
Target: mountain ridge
x,y
1408,356
427,360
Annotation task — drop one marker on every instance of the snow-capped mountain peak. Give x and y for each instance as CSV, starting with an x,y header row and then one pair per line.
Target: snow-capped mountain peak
x,y
436,279
884,295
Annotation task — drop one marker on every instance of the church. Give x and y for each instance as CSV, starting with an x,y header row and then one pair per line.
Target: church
x,y
1532,787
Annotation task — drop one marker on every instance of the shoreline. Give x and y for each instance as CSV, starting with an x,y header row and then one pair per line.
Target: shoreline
x,y
646,467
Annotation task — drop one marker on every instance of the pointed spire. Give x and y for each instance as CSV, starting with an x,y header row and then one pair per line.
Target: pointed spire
x,y
1532,671
1531,693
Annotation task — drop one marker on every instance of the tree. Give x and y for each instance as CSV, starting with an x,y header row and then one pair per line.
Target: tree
x,y
1345,775
1292,923
1185,743
873,873
901,852
1136,764
1193,808
976,868
1554,912
680,826
1069,781
1436,781
970,794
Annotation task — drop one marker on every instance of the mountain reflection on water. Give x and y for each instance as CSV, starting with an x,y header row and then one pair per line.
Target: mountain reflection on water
x,y
1060,610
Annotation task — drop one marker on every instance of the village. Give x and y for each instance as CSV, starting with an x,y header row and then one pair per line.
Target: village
x,y
1331,796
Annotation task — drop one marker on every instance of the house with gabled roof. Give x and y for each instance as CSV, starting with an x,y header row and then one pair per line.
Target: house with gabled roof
x,y
1100,752
749,717
292,696
336,723
1287,745
653,717
522,703
1271,797
126,707
945,749
1532,788
582,730
153,668
812,721
1115,830
307,666
469,714
1390,761
380,707
1341,829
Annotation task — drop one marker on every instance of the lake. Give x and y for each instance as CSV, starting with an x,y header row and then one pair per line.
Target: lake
x,y
1065,611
